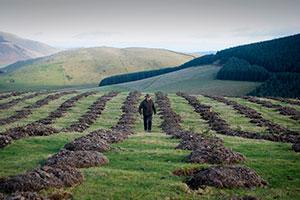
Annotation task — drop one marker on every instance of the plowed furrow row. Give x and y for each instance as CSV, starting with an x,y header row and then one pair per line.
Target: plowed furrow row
x,y
207,149
39,127
16,101
61,169
11,94
285,100
94,111
63,108
277,133
26,111
284,110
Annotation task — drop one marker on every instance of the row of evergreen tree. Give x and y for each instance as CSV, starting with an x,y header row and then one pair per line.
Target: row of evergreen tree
x,y
241,70
280,85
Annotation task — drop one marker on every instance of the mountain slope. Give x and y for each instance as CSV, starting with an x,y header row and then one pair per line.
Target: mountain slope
x,y
195,80
86,66
14,48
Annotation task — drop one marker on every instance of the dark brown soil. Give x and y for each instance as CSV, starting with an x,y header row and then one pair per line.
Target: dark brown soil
x,y
78,159
42,178
34,129
226,177
91,142
215,155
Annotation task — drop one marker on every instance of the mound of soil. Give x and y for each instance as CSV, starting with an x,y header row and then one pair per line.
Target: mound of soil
x,y
25,196
34,129
90,142
5,140
226,177
192,141
215,155
42,178
296,147
78,159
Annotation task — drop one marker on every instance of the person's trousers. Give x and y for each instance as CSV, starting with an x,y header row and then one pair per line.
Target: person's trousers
x,y
147,122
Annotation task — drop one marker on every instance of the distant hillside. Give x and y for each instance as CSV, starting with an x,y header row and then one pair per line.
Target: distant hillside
x,y
14,48
195,80
86,66
277,55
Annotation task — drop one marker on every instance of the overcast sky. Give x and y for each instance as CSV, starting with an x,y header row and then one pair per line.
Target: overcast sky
x,y
182,25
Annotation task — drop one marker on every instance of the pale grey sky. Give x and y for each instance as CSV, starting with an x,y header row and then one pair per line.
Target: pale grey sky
x,y
182,25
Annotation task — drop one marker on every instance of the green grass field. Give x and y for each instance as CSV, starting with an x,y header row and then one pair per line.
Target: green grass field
x,y
141,166
195,80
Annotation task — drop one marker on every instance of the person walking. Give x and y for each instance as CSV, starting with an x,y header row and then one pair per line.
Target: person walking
x,y
147,108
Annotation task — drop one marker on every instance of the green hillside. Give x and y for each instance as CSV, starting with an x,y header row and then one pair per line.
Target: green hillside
x,y
86,66
196,80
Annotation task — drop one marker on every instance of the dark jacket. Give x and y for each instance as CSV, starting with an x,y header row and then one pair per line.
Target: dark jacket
x,y
147,107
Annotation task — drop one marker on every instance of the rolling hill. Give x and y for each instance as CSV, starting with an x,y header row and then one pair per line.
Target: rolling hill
x,y
86,66
195,80
14,48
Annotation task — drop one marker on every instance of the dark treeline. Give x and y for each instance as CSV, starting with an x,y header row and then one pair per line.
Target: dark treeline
x,y
280,85
241,70
123,78
278,55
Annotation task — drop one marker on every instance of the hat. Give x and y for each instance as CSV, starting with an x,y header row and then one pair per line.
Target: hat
x,y
147,95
